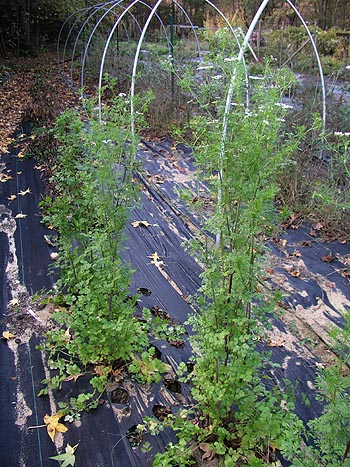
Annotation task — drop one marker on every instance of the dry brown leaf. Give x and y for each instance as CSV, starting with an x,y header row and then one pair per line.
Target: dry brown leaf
x,y
328,258
317,226
99,370
283,243
279,342
11,198
48,240
209,452
296,273
73,377
25,192
53,425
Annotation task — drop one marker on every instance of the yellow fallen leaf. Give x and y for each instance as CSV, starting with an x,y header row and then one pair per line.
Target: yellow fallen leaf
x,y
53,425
25,192
5,178
51,227
12,197
142,224
155,260
14,302
20,155
7,335
20,215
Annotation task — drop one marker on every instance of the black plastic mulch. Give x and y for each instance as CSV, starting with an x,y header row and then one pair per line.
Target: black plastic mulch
x,y
101,434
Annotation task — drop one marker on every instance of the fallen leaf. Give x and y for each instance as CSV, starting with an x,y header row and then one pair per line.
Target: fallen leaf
x,y
5,178
73,377
99,370
19,173
306,243
142,224
66,335
11,198
296,273
6,335
21,155
328,258
283,405
13,302
48,240
155,260
25,192
20,215
283,243
177,344
209,451
279,342
317,226
54,255
50,227
53,425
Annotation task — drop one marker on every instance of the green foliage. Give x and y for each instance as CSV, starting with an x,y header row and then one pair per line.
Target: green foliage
x,y
329,433
68,457
92,177
242,421
147,368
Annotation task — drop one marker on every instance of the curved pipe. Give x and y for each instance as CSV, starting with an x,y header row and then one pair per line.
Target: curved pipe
x,y
69,34
116,3
60,34
96,9
153,12
323,86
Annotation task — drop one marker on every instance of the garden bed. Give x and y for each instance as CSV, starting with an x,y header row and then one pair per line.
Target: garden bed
x,y
312,274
